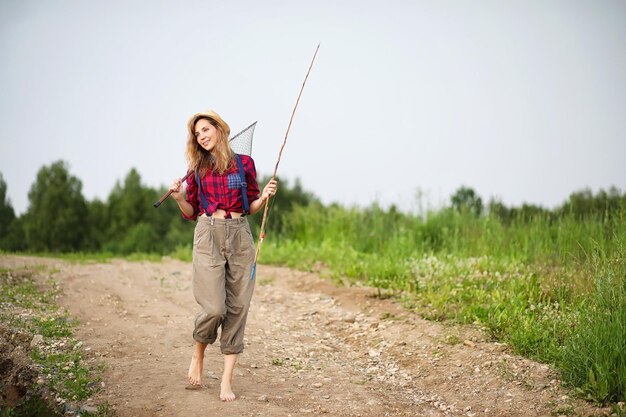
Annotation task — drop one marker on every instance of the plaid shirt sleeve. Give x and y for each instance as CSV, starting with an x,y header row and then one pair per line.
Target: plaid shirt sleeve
x,y
191,196
250,170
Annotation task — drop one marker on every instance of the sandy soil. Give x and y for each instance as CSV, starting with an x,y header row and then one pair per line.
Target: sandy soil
x,y
312,348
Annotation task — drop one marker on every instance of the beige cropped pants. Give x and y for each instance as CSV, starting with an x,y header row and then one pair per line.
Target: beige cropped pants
x,y
223,253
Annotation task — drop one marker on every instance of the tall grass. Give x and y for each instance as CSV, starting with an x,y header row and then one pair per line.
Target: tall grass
x,y
553,287
564,239
596,352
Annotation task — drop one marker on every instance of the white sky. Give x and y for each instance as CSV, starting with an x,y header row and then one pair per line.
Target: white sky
x,y
525,101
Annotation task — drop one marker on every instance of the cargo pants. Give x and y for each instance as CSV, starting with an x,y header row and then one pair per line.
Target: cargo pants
x,y
223,253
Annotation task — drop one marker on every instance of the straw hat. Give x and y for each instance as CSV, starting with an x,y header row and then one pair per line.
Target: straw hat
x,y
211,115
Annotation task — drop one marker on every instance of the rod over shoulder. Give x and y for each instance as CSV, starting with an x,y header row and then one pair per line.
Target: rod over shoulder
x,y
157,203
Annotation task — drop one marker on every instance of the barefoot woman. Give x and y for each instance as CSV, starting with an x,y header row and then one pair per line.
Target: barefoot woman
x,y
223,249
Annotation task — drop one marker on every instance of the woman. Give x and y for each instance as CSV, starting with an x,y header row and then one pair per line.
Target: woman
x,y
223,248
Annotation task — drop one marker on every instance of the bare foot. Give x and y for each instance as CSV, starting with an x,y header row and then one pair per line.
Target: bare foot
x,y
226,393
195,370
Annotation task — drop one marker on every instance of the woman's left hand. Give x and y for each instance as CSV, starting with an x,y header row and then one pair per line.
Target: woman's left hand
x,y
269,190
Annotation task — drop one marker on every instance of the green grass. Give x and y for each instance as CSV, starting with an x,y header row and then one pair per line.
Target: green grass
x,y
22,291
91,257
552,287
182,252
596,352
27,306
65,371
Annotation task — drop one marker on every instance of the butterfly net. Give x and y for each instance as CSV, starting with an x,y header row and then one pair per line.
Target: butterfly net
x,y
241,143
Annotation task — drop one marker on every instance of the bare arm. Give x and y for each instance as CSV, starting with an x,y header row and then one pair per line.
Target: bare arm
x,y
269,190
177,193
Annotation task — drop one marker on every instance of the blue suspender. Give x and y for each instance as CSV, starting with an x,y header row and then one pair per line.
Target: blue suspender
x,y
244,186
202,196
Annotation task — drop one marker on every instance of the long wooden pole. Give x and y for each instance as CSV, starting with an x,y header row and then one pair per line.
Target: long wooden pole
x,y
262,231
167,194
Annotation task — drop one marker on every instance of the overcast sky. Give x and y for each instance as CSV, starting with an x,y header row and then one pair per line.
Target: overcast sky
x,y
524,101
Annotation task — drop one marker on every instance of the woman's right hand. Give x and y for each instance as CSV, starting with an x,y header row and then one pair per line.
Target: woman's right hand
x,y
177,189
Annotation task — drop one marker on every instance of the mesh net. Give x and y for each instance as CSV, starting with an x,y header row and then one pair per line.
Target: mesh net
x,y
241,143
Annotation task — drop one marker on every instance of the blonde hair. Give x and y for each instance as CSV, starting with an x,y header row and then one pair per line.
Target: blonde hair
x,y
221,158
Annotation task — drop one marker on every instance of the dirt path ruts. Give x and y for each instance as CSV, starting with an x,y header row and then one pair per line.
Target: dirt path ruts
x,y
311,349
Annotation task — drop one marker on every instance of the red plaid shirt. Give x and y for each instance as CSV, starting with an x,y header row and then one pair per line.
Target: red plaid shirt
x,y
222,191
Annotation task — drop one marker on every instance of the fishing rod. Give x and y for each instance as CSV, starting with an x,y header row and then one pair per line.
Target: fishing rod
x,y
167,194
262,230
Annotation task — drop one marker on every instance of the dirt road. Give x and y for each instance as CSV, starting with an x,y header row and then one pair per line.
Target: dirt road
x,y
311,349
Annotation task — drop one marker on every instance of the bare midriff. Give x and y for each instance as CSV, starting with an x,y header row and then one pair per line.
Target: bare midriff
x,y
221,214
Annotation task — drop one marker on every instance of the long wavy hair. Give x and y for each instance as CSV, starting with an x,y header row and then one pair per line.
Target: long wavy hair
x,y
221,157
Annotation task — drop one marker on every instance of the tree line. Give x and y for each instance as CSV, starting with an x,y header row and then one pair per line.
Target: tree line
x,y
581,205
60,219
